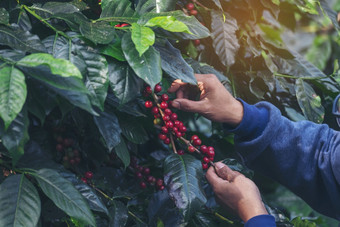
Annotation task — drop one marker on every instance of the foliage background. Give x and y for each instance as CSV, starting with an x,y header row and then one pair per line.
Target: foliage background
x,y
67,70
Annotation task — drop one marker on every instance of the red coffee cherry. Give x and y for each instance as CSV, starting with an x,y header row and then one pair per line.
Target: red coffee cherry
x,y
124,25
167,141
165,97
197,42
164,105
158,88
194,137
205,165
83,179
211,153
148,90
204,149
169,124
190,6
166,118
148,104
155,110
197,142
139,175
180,152
162,136
164,129
193,12
177,123
206,159
159,182
151,179
89,175
146,171
174,116
142,185
167,112
191,149
161,188
182,129
178,134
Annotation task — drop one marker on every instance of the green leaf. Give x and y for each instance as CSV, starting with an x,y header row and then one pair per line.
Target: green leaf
x,y
174,64
20,40
124,82
19,202
13,93
133,130
122,152
51,9
142,37
169,23
333,16
98,33
165,6
90,63
117,8
237,166
182,178
94,201
225,41
321,44
309,102
64,195
109,128
113,50
147,66
118,214
16,136
57,66
195,27
4,16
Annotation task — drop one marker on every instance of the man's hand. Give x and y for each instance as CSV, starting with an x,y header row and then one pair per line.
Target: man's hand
x,y
215,103
235,191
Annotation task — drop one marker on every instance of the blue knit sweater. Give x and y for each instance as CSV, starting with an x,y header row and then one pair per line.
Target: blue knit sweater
x,y
303,156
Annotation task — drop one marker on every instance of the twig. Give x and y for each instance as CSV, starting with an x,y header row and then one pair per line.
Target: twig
x,y
173,143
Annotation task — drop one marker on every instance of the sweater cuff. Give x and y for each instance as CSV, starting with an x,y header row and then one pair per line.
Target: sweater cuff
x,y
264,220
253,122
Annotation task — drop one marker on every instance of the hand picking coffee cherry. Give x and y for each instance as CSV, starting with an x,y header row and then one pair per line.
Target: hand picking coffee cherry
x,y
173,129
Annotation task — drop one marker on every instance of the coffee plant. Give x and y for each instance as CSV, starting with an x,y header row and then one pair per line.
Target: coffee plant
x,y
88,134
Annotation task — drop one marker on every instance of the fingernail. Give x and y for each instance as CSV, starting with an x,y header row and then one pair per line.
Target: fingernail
x,y
176,104
219,165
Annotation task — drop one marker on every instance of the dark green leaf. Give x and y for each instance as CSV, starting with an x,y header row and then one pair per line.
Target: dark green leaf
x,y
132,108
143,37
19,202
309,101
16,136
109,128
118,214
19,16
321,44
225,41
4,16
237,166
64,195
147,66
122,152
99,32
13,93
330,13
174,64
86,191
133,130
205,219
117,8
124,82
50,9
182,174
165,6
20,40
113,50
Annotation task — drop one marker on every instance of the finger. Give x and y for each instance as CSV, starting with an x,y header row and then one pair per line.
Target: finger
x,y
189,105
176,85
213,178
225,172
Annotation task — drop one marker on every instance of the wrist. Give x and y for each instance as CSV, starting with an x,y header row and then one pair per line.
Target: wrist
x,y
248,211
234,113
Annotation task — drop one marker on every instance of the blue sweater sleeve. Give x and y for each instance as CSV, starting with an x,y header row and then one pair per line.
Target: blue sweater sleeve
x,y
264,220
303,156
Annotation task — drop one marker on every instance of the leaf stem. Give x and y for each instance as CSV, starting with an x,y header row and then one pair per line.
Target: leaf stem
x,y
137,218
45,22
295,77
223,218
129,20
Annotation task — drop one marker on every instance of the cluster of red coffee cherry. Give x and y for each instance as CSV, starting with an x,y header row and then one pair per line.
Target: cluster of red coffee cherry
x,y
87,177
191,10
172,128
66,146
143,174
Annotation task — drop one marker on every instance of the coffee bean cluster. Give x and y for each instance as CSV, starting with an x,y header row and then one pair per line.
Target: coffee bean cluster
x,y
172,128
66,146
143,174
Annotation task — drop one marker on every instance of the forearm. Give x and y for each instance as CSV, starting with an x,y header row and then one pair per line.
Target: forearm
x,y
300,155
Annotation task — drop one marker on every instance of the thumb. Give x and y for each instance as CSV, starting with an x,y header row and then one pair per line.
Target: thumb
x,y
188,105
225,172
